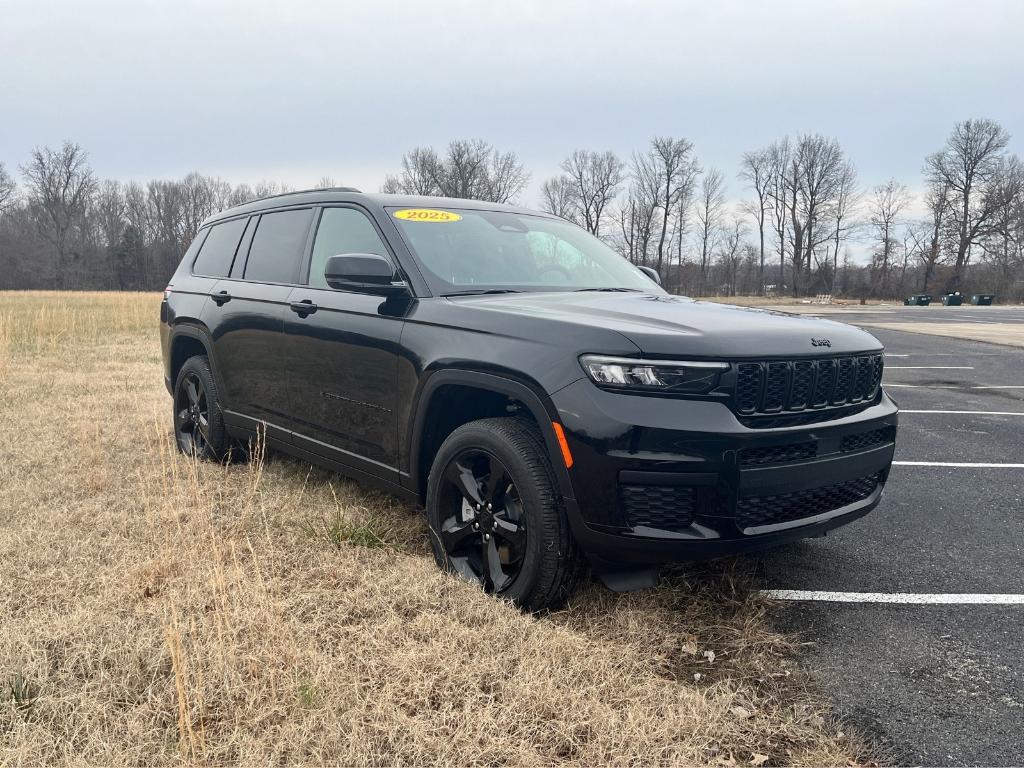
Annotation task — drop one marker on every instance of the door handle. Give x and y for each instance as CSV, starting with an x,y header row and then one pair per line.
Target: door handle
x,y
220,298
304,307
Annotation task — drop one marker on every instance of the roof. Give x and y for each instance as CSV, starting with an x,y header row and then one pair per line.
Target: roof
x,y
352,195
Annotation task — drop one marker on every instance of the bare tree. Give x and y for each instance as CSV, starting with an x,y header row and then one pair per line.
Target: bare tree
x,y
421,171
667,174
930,250
241,193
59,184
636,220
136,210
779,153
269,189
813,180
756,168
1003,247
165,201
8,189
470,169
968,166
710,207
595,178
559,199
110,211
843,214
464,172
506,179
886,204
730,252
199,200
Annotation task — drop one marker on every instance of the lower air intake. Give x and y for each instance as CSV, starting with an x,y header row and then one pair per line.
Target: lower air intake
x,y
668,507
758,511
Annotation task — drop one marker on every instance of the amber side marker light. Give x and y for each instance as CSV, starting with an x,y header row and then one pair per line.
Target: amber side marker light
x,y
563,444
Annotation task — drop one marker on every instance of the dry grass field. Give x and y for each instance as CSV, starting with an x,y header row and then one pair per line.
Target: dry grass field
x,y
158,611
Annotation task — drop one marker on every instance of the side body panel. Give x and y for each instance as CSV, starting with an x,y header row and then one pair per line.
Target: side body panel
x,y
342,362
248,338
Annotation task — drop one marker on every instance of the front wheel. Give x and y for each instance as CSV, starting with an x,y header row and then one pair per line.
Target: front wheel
x,y
495,516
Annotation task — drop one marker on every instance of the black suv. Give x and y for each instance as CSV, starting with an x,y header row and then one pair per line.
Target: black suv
x,y
544,399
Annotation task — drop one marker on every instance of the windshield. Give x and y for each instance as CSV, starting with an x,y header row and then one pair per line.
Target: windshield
x,y
468,251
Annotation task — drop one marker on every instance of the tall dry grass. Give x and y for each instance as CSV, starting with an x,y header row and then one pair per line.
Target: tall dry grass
x,y
158,611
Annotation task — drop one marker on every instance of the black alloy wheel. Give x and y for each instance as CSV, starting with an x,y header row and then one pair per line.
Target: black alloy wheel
x,y
199,428
483,529
192,415
496,517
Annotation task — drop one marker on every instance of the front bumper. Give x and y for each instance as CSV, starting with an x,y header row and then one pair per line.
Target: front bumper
x,y
660,480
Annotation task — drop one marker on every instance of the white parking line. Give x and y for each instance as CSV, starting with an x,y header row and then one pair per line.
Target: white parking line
x,y
971,413
946,386
970,464
929,367
910,598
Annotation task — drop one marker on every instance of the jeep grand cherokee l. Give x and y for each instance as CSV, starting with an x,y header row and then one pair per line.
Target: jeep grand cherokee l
x,y
545,400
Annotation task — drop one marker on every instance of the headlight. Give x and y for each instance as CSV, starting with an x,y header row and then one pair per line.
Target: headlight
x,y
669,376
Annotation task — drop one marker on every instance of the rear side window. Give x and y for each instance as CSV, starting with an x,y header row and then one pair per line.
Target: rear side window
x,y
277,246
218,251
341,231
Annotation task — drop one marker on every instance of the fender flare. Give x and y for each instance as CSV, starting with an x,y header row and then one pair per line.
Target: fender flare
x,y
539,406
202,335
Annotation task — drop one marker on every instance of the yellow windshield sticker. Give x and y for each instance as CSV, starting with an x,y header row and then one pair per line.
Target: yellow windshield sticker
x,y
426,214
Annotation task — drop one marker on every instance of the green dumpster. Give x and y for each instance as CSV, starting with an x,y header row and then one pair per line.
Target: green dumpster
x,y
983,299
917,300
954,299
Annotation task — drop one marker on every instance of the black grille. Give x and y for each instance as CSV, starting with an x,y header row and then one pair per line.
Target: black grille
x,y
824,382
670,507
869,439
773,454
783,386
748,387
786,507
803,381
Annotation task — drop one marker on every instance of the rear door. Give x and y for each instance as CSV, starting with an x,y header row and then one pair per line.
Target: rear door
x,y
344,353
246,318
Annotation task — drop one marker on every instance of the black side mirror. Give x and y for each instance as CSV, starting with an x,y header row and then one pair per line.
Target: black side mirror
x,y
651,273
363,272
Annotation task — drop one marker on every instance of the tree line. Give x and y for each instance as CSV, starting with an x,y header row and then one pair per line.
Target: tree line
x,y
799,215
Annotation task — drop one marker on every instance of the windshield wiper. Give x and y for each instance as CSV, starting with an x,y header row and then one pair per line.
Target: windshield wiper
x,y
481,292
609,290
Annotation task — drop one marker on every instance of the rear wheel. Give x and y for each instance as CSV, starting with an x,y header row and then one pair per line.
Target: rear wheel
x,y
495,516
198,423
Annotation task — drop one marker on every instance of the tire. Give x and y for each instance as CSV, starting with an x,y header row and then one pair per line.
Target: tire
x,y
520,547
198,421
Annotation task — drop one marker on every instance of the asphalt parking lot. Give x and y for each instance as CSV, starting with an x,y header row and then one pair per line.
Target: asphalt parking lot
x,y
937,677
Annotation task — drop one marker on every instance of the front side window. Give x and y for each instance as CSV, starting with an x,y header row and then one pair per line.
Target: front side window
x,y
342,231
277,246
218,249
465,250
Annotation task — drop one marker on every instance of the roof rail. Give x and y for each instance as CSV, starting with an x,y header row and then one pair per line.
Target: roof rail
x,y
303,192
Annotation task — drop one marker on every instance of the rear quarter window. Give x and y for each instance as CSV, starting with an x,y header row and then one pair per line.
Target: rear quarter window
x,y
218,251
277,246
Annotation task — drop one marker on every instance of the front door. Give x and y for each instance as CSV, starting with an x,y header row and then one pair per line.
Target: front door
x,y
343,354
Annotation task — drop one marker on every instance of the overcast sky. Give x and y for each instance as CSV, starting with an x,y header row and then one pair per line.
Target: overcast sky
x,y
296,90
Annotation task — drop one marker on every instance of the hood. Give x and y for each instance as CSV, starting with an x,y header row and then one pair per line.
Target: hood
x,y
668,326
